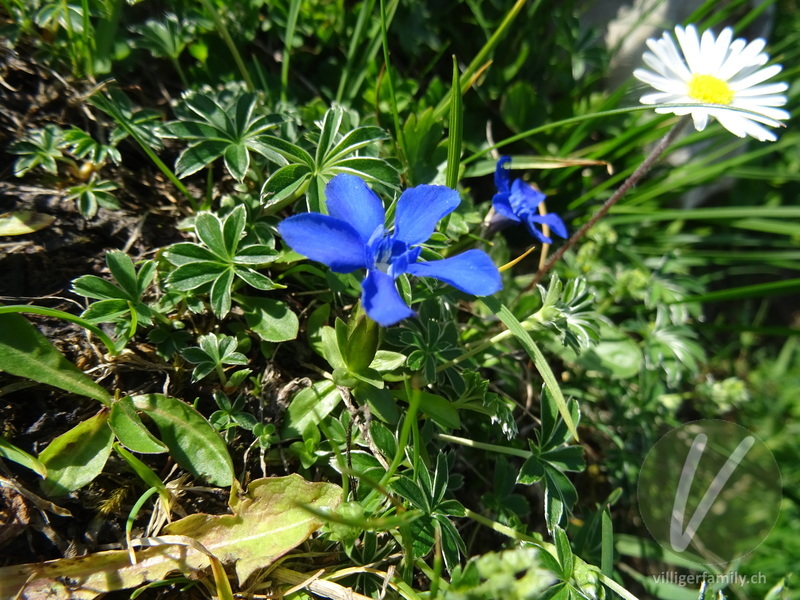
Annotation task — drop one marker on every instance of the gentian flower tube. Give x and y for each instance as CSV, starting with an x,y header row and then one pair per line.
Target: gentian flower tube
x,y
354,236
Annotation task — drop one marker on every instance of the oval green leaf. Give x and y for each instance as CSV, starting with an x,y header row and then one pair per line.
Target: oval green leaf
x,y
76,457
192,441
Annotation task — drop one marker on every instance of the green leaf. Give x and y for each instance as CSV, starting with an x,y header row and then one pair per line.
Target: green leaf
x,y
368,168
233,228
411,491
123,271
309,407
27,353
209,229
331,123
198,156
564,553
386,360
76,457
187,253
192,441
237,160
531,471
98,288
439,409
354,140
268,521
130,430
316,320
21,222
10,452
283,184
270,319
456,131
559,496
221,293
193,275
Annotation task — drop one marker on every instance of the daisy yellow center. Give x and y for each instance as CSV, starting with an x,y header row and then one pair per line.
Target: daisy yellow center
x,y
710,90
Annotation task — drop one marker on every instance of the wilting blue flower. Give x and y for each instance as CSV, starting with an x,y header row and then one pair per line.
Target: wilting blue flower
x,y
518,202
353,236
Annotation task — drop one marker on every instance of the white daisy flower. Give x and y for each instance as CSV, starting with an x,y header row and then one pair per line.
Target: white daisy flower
x,y
712,70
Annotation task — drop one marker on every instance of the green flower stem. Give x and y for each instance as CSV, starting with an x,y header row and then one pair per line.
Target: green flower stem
x,y
291,23
414,399
482,446
477,349
156,160
88,39
60,314
392,98
648,163
508,532
226,36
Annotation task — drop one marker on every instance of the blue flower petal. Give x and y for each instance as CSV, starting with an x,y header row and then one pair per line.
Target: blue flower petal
x,y
502,176
524,197
552,220
325,239
536,232
350,200
420,208
472,272
381,299
503,206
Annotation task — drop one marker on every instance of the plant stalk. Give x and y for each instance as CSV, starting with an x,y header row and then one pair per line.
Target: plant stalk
x,y
631,181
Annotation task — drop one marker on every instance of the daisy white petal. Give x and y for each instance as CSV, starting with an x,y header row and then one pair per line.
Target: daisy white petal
x,y
714,70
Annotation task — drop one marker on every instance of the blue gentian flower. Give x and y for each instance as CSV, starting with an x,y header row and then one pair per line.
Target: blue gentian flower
x,y
518,202
353,236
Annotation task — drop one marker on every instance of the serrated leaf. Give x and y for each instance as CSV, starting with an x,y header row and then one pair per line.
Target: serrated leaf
x,y
193,275
531,471
368,168
565,458
76,457
411,491
209,229
221,293
564,553
331,123
186,253
123,271
192,441
559,497
353,141
257,280
130,430
237,160
98,288
25,352
198,156
284,183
